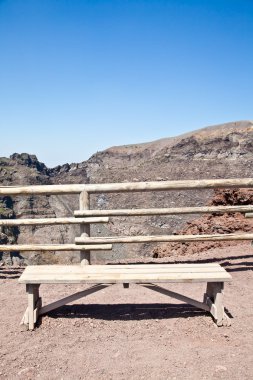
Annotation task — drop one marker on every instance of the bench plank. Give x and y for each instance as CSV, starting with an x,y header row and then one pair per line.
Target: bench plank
x,y
124,266
137,273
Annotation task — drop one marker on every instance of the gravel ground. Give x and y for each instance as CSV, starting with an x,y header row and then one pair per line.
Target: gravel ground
x,y
131,333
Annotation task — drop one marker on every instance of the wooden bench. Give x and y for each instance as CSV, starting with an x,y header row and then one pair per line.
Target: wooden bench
x,y
102,276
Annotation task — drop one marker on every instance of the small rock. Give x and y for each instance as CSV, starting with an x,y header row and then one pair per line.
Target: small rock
x,y
220,368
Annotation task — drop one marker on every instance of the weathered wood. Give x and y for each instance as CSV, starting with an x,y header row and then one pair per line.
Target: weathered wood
x,y
162,238
37,308
71,298
129,269
142,274
34,303
249,215
209,292
177,296
84,204
51,274
166,211
52,247
170,185
218,302
142,267
51,221
128,186
42,189
107,275
25,318
30,288
214,299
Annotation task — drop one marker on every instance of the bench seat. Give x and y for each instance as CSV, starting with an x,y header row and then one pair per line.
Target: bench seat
x,y
133,273
146,275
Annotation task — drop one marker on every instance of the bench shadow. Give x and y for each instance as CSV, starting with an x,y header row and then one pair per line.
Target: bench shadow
x,y
126,312
10,273
237,267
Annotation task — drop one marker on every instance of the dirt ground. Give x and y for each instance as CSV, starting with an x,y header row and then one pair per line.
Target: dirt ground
x,y
131,333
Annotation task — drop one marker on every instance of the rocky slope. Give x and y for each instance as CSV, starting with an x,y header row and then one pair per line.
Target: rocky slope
x,y
222,151
212,224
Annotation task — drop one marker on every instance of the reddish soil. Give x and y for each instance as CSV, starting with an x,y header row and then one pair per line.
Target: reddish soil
x,y
131,333
212,224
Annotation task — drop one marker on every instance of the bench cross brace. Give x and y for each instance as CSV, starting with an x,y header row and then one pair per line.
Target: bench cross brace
x,y
213,300
34,309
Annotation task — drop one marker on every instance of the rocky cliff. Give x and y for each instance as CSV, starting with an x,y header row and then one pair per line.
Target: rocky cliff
x,y
222,151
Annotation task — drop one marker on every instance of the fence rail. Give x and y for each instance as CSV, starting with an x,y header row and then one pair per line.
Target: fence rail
x,y
85,216
53,247
165,211
52,221
163,238
127,186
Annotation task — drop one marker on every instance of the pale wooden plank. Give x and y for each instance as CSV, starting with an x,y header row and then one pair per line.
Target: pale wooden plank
x,y
121,269
163,238
53,247
218,302
25,318
52,221
118,277
127,186
31,304
166,211
37,309
122,266
249,215
42,189
120,281
170,185
134,270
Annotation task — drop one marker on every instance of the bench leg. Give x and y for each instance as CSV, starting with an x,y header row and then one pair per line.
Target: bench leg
x,y
214,299
34,304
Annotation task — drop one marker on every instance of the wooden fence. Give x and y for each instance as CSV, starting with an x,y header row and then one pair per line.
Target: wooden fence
x,y
85,216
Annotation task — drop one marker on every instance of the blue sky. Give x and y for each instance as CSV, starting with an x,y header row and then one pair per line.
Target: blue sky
x,y
77,77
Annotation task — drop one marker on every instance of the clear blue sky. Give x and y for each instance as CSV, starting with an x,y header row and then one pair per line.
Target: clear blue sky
x,y
80,76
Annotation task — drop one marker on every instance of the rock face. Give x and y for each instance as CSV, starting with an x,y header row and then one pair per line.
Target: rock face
x,y
212,224
223,151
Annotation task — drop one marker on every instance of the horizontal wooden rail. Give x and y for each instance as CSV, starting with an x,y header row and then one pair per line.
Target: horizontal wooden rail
x,y
42,189
169,185
52,221
165,211
53,247
162,238
127,186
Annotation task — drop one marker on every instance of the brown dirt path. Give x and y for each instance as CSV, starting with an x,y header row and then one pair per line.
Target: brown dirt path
x,y
131,333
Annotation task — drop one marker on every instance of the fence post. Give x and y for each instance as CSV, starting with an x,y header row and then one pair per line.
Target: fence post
x,y
84,204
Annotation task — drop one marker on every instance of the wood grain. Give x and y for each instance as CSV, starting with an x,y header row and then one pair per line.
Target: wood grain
x,y
167,211
163,238
127,186
117,274
52,221
52,247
